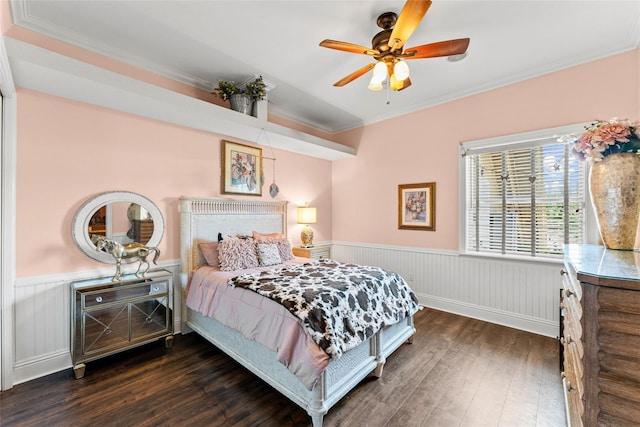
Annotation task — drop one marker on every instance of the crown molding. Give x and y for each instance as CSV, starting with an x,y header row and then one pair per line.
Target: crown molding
x,y
22,17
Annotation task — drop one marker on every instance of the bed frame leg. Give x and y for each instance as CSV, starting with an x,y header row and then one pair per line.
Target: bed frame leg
x,y
316,407
377,372
316,420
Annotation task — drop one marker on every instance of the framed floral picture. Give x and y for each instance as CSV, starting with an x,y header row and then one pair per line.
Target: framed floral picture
x,y
417,206
241,169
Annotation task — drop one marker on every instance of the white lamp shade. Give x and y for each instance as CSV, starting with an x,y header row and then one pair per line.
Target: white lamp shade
x,y
379,72
401,70
394,83
374,84
307,215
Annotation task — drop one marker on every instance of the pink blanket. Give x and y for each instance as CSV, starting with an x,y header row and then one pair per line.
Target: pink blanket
x,y
258,318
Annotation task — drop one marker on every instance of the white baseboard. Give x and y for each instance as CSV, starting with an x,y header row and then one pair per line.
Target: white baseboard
x,y
512,320
45,364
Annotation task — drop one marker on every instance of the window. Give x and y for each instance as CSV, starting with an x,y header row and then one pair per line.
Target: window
x,y
523,194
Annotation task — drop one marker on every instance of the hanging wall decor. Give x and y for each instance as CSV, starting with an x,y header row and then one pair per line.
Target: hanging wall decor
x,y
241,169
417,206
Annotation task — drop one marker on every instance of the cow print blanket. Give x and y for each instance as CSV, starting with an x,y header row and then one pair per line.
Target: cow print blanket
x,y
340,305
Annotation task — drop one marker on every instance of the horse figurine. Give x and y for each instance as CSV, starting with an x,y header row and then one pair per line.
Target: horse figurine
x,y
130,250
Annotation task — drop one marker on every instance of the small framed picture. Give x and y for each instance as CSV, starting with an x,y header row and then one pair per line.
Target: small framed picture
x,y
417,206
241,169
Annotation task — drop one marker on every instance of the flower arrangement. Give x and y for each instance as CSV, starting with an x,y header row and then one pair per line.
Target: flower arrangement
x,y
255,89
416,203
603,138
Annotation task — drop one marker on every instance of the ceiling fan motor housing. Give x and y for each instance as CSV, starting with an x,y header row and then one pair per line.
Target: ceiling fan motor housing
x,y
387,20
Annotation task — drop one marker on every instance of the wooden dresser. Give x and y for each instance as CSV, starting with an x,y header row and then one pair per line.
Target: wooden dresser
x,y
601,336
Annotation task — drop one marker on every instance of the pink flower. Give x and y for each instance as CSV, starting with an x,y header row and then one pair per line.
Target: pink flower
x,y
612,133
603,138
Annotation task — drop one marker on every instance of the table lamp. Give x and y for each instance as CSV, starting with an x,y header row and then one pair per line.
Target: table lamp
x,y
307,215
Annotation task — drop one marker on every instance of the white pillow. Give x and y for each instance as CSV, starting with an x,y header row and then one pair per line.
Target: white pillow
x,y
268,254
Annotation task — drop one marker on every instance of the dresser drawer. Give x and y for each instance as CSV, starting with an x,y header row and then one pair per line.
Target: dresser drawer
x,y
574,403
570,282
117,295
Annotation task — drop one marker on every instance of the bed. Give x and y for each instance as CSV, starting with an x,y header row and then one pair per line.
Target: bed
x,y
200,221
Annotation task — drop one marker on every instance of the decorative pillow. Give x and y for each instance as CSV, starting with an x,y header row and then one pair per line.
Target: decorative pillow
x,y
210,253
262,236
268,254
237,254
284,247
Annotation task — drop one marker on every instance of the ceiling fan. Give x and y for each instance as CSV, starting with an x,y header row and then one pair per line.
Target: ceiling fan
x,y
387,48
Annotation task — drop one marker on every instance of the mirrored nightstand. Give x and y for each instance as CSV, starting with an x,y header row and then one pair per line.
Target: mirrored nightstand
x,y
108,317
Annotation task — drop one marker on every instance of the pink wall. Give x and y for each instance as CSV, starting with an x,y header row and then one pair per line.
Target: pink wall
x,y
423,146
69,151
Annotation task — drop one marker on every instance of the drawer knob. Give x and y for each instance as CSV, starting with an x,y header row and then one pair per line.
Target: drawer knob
x,y
98,299
563,272
569,386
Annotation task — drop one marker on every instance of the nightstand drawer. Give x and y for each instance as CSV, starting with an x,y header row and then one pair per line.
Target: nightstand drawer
x,y
118,295
315,252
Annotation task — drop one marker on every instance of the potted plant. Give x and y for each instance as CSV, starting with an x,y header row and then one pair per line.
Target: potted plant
x,y
241,99
256,89
226,90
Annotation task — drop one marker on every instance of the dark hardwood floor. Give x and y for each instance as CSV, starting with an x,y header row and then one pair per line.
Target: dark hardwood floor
x,y
457,372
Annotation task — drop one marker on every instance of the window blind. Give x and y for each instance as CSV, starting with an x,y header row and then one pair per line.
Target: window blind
x,y
523,198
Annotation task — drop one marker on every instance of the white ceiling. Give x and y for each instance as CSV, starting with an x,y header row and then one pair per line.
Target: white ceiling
x,y
202,42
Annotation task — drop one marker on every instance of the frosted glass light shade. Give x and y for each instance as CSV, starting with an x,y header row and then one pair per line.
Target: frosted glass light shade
x,y
379,72
374,84
394,83
401,70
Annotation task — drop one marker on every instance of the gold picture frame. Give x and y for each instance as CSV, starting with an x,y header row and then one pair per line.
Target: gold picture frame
x,y
417,206
241,169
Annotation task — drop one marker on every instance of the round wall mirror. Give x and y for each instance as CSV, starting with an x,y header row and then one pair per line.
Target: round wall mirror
x,y
117,215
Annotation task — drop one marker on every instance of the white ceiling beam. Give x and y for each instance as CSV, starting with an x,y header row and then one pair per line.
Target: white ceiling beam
x,y
44,71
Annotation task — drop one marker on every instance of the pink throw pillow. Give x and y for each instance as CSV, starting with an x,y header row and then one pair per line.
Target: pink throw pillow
x,y
237,254
210,253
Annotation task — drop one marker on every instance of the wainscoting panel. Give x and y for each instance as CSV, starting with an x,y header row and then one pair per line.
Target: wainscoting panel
x,y
42,326
518,293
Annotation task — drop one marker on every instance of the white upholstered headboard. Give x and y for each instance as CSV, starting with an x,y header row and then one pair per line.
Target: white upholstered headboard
x,y
202,219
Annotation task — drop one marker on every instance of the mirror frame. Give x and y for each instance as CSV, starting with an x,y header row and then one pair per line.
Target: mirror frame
x,y
80,227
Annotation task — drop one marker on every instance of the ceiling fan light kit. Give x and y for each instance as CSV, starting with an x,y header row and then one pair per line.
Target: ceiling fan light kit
x,y
387,48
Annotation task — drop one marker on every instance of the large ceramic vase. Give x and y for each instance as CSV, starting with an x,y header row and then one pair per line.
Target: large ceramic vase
x,y
614,183
241,102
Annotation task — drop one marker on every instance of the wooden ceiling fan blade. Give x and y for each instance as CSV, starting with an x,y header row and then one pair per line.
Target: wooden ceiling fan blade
x,y
434,50
348,47
351,77
408,20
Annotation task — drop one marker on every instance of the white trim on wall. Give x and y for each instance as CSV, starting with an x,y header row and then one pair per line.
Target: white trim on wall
x,y
7,215
519,293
